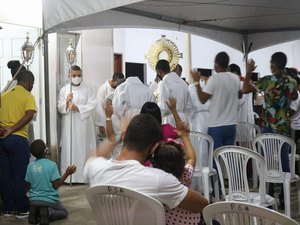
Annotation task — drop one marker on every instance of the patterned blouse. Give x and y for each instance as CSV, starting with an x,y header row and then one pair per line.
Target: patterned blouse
x,y
279,90
180,216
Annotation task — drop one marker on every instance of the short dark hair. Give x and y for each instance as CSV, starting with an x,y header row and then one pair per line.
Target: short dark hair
x,y
76,68
14,65
179,67
169,157
163,65
118,76
142,133
152,109
279,59
222,59
25,76
235,69
37,148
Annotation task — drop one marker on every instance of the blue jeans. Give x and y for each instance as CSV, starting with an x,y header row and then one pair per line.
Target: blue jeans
x,y
223,135
14,158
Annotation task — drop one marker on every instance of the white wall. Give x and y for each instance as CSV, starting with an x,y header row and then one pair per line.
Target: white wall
x,y
97,56
204,51
12,38
135,43
262,57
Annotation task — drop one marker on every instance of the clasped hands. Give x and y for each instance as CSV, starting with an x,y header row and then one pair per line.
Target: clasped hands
x,y
71,106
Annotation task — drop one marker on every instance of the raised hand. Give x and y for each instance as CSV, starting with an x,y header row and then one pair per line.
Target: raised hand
x,y
108,109
171,103
71,169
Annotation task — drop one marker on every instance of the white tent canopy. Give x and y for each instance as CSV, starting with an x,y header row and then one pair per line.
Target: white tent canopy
x,y
231,22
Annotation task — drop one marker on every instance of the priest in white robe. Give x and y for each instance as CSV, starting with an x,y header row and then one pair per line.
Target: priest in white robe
x,y
106,90
77,103
172,86
129,98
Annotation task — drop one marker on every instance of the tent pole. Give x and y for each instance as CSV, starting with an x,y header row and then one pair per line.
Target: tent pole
x,y
245,46
47,97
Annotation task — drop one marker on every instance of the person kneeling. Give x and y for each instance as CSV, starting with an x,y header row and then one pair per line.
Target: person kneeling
x,y
43,180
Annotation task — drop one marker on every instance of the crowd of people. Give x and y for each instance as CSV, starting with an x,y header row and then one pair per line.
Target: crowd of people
x,y
147,123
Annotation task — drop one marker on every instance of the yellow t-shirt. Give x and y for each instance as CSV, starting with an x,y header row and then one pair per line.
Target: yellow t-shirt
x,y
14,104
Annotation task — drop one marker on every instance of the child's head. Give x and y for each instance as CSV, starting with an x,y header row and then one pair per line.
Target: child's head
x,y
169,157
152,109
38,149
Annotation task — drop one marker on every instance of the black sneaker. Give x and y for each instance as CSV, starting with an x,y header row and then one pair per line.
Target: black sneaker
x,y
33,215
44,216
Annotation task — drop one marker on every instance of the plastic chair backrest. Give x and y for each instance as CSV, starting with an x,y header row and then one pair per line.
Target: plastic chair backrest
x,y
245,132
199,140
237,213
270,146
235,159
114,205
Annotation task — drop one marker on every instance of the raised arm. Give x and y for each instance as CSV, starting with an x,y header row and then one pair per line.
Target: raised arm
x,y
247,86
109,125
171,103
57,183
183,133
203,96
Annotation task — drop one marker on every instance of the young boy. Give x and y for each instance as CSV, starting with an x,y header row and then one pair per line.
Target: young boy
x,y
43,180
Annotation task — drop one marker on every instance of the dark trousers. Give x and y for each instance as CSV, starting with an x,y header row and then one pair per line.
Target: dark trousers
x,y
56,210
14,158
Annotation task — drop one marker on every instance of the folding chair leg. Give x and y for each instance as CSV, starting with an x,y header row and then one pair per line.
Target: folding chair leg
x,y
216,188
298,192
254,174
205,182
287,199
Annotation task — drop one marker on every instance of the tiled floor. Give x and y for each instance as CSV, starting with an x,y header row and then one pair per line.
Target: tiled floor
x,y
80,212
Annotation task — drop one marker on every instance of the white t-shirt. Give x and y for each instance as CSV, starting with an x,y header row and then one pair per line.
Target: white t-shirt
x,y
156,183
224,106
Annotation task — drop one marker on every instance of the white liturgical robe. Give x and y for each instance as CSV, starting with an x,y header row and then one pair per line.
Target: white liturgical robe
x,y
103,92
173,86
129,98
83,132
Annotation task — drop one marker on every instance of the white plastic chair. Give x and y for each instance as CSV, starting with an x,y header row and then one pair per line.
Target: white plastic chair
x,y
270,146
237,213
113,205
235,159
245,132
199,140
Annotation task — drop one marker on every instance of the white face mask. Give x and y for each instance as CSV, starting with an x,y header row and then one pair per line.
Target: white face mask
x,y
76,80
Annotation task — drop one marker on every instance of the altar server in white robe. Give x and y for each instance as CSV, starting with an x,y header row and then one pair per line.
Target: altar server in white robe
x,y
200,112
246,113
172,86
80,105
198,122
129,98
106,90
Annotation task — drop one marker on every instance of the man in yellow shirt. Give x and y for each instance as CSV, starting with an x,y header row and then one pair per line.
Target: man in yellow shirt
x,y
17,110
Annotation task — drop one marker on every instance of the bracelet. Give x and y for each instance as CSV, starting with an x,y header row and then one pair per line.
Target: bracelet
x,y
196,83
108,119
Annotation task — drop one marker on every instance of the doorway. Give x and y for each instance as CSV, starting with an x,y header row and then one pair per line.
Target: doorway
x,y
118,63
